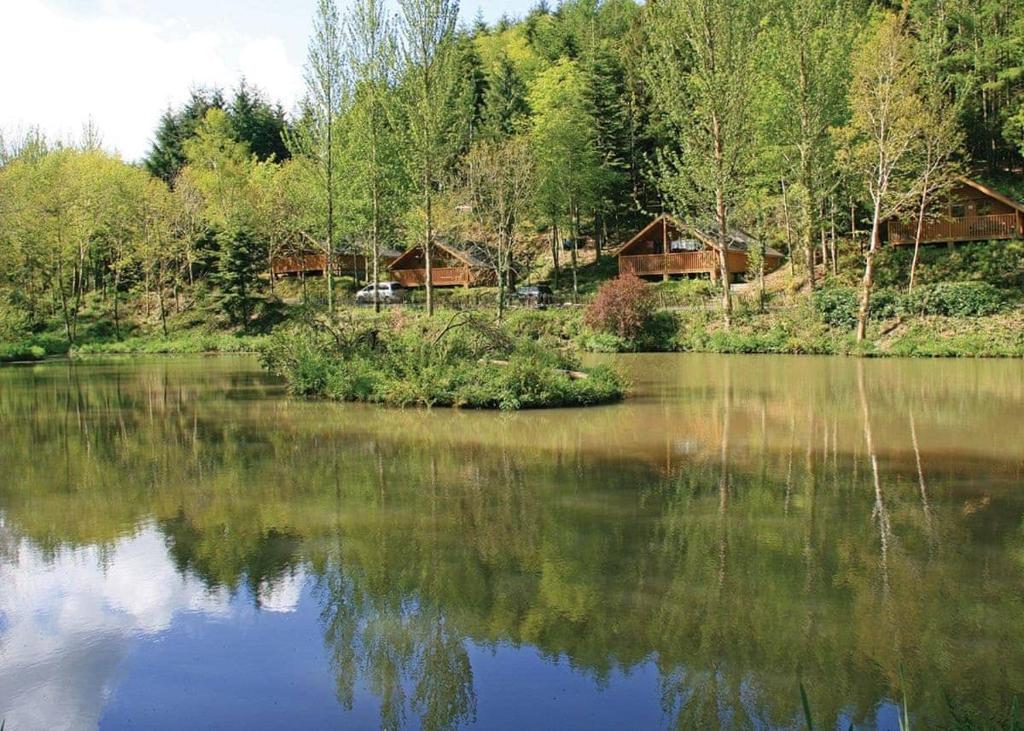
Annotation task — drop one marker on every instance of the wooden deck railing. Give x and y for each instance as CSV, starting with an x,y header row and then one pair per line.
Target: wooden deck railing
x,y
977,228
443,277
689,262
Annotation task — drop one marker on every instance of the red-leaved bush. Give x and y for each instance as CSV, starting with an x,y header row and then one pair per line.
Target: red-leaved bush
x,y
623,306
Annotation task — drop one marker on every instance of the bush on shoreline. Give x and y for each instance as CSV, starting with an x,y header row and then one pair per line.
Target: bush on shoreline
x,y
457,360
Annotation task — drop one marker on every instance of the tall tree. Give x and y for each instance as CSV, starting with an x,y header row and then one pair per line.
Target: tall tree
x,y
426,30
258,123
942,139
167,156
570,174
879,144
505,109
807,51
316,133
371,58
701,73
498,177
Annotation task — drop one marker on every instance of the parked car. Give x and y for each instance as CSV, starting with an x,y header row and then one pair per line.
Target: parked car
x,y
535,295
388,293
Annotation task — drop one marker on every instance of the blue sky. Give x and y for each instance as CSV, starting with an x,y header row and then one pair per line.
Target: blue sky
x,y
122,62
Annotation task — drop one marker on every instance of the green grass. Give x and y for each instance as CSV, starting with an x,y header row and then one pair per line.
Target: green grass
x,y
184,344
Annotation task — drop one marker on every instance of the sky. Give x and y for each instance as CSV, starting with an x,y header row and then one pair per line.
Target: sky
x,y
121,63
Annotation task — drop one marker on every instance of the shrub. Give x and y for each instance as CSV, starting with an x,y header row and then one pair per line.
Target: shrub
x,y
836,306
955,299
553,325
685,292
14,352
465,362
623,306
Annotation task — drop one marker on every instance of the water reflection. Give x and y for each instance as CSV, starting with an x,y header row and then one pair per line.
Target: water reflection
x,y
741,523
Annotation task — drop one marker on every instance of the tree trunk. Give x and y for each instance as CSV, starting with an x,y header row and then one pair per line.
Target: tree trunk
x,y
760,278
502,272
375,229
723,257
329,254
556,247
869,276
721,215
835,252
575,253
64,303
789,228
917,236
808,234
160,303
428,244
117,298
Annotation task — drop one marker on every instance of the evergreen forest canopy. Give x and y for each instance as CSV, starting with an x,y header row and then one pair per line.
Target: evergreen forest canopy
x,y
575,122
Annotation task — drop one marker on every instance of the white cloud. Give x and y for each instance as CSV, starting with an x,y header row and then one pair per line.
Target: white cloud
x,y
61,69
68,622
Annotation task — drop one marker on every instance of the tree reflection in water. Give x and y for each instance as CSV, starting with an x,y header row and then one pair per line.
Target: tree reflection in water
x,y
739,524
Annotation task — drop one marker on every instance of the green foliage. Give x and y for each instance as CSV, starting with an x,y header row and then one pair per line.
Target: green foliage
x,y
466,363
684,292
15,352
239,266
837,306
955,299
186,344
253,120
1000,263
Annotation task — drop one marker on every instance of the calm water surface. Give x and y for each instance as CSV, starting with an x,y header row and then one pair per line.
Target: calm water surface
x,y
182,546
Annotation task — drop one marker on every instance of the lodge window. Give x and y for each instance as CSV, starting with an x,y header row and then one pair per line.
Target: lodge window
x,y
684,245
984,208
958,211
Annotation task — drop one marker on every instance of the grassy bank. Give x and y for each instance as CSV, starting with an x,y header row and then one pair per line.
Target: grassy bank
x,y
454,360
978,315
182,344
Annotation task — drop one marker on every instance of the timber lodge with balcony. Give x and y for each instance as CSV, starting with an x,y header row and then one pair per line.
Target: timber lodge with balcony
x,y
973,212
666,248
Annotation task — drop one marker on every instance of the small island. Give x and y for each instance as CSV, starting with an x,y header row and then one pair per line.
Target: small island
x,y
461,361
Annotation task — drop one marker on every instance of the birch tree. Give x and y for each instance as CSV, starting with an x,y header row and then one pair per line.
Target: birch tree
x,y
316,133
879,144
701,72
807,53
426,33
499,188
370,53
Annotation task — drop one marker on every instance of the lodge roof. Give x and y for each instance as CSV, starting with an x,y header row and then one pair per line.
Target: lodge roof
x,y
470,253
991,193
739,240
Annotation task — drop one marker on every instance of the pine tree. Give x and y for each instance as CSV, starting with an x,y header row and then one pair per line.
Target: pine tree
x,y
505,109
167,156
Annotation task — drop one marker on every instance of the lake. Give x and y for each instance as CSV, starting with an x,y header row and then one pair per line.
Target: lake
x,y
183,546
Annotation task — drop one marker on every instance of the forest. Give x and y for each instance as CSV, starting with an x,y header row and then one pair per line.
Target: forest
x,y
808,123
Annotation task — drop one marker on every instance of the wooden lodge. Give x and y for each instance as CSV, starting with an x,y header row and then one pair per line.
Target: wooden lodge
x,y
973,212
313,264
666,248
451,267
